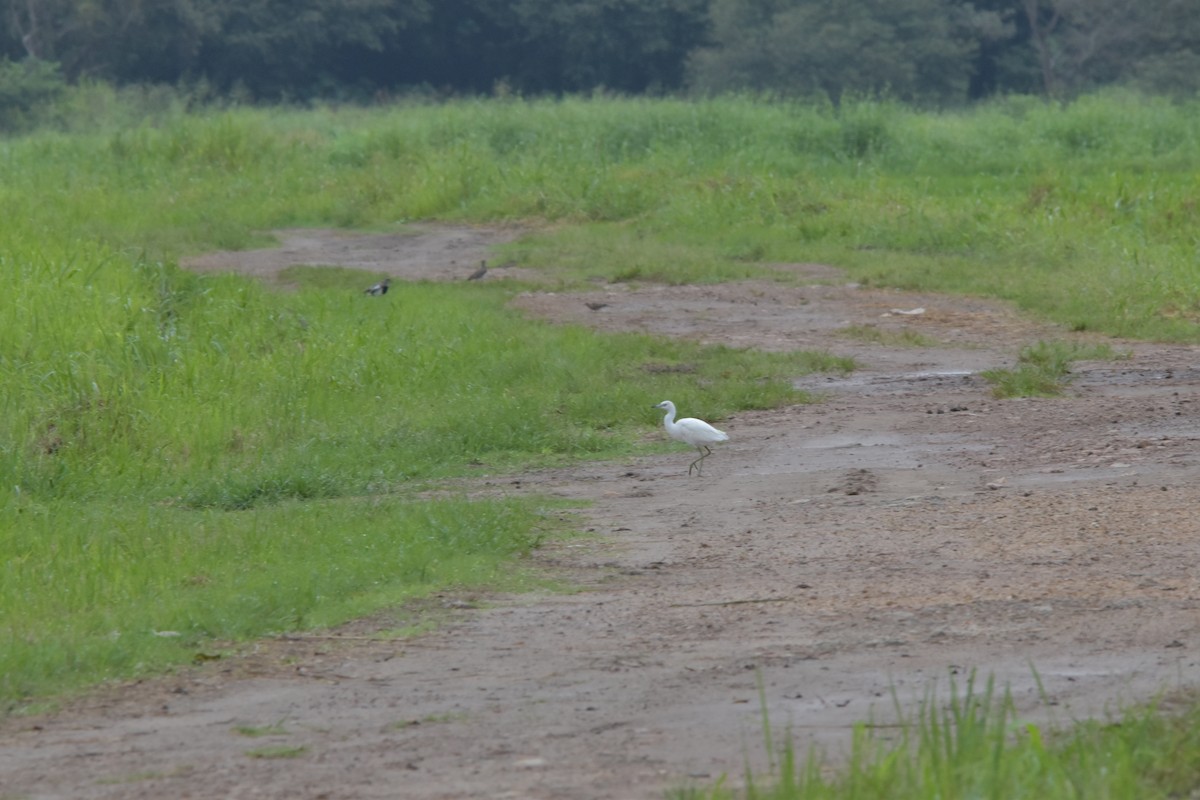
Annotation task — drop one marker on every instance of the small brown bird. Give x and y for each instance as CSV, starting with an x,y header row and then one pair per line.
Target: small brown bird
x,y
596,306
379,288
479,273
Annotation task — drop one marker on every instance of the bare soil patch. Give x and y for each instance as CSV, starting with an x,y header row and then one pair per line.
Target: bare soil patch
x,y
907,529
420,252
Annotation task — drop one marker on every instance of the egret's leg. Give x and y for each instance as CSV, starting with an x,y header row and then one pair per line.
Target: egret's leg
x,y
704,452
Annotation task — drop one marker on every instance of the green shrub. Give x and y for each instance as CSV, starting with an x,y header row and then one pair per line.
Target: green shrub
x,y
28,89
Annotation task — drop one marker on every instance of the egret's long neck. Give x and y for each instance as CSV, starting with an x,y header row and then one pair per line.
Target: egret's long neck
x,y
669,419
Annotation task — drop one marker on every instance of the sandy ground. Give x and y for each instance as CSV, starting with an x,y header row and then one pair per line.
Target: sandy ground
x,y
904,532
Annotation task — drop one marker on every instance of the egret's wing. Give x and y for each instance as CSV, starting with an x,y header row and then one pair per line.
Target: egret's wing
x,y
697,430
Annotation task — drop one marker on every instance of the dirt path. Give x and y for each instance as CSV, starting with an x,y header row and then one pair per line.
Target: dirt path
x,y
907,529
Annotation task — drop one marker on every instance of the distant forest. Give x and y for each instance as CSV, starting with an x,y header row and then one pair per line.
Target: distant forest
x,y
928,52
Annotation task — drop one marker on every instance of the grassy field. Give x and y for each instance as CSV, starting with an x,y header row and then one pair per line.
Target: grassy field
x,y
1085,214
188,459
204,456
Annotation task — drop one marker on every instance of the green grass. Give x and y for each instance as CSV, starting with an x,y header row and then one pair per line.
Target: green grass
x,y
134,777
978,746
125,573
206,456
278,751
254,731
1044,369
1084,213
217,393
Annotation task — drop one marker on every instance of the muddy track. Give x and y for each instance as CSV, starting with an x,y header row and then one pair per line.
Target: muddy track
x,y
908,529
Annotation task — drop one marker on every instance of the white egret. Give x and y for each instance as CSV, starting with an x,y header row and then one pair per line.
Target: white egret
x,y
689,430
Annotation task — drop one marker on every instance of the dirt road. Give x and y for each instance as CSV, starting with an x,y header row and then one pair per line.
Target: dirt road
x,y
907,529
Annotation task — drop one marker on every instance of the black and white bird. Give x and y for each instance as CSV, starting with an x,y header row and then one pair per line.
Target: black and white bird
x,y
379,288
479,273
696,432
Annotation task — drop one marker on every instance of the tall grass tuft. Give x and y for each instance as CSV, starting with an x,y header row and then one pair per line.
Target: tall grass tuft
x,y
1044,369
976,745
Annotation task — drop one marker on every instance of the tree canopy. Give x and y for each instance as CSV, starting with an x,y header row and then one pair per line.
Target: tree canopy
x,y
928,51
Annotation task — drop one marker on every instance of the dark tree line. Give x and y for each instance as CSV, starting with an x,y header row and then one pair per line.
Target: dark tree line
x,y
936,51
948,51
